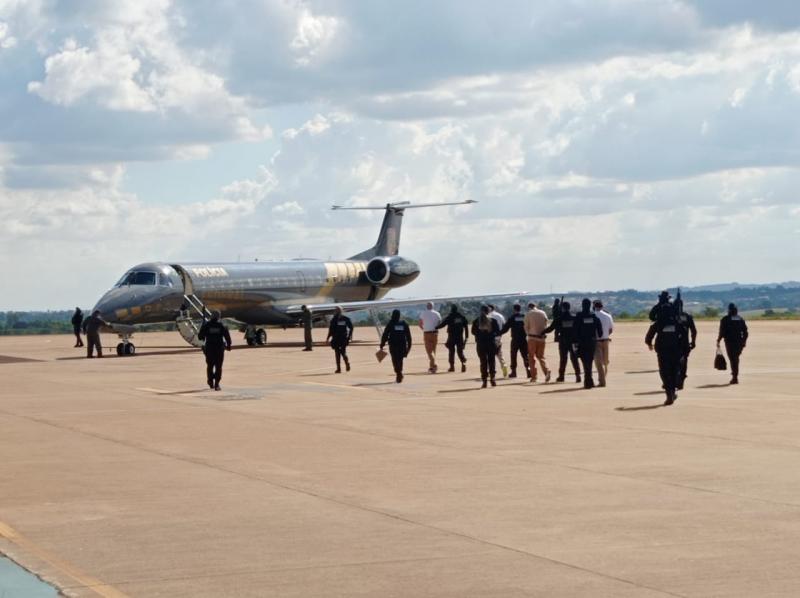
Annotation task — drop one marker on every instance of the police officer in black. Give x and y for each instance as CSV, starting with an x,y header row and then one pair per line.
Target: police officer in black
x,y
340,333
663,302
306,319
91,326
564,329
668,333
457,335
586,330
217,341
398,335
688,340
733,330
486,330
77,321
519,340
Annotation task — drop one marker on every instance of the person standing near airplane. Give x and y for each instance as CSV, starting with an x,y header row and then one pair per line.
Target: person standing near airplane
x,y
519,341
601,351
398,335
535,328
587,330
485,330
91,327
340,333
305,318
429,321
77,321
217,341
457,335
733,330
564,328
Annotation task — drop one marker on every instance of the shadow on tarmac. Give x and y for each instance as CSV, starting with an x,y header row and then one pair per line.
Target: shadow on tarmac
x,y
642,372
560,390
642,408
452,390
648,393
727,384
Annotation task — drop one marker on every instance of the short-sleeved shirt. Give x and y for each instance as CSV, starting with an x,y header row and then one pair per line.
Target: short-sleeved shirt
x,y
430,319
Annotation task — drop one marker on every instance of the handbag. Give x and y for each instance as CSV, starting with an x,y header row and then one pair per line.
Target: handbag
x,y
719,361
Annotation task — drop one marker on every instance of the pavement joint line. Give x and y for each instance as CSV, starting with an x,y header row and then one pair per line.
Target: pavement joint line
x,y
351,505
346,386
83,579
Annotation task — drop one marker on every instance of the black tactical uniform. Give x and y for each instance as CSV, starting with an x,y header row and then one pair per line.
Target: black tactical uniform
x,y
519,340
77,321
668,334
398,335
688,342
564,328
306,319
485,330
733,330
457,335
587,329
217,340
91,327
340,333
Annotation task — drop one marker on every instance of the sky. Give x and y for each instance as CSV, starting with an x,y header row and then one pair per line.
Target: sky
x,y
611,144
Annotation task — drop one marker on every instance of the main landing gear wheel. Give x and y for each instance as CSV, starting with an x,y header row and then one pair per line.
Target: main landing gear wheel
x,y
126,349
261,337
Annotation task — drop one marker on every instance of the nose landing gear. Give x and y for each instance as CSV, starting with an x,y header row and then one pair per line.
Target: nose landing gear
x,y
126,347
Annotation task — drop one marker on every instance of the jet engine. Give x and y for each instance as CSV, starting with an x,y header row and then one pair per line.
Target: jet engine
x,y
393,271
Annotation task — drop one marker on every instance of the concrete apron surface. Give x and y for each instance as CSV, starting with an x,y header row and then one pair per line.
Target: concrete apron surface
x,y
129,477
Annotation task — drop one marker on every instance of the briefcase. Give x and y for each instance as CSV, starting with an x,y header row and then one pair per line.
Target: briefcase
x,y
719,361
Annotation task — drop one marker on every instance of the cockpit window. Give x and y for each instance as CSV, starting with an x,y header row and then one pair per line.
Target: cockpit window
x,y
138,278
164,280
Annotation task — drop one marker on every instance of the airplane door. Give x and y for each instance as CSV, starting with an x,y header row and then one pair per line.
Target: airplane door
x,y
188,287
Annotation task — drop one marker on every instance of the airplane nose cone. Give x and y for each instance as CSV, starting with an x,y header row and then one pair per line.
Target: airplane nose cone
x,y
112,305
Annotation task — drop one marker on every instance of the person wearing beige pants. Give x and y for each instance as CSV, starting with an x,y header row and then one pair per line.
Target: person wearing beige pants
x,y
428,321
601,349
535,325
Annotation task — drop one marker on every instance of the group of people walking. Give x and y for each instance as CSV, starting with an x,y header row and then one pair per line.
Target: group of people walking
x,y
581,337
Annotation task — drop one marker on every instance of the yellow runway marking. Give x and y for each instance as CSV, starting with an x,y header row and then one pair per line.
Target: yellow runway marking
x,y
85,580
335,385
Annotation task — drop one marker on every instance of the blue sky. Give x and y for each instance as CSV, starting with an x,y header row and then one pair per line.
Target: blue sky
x,y
611,144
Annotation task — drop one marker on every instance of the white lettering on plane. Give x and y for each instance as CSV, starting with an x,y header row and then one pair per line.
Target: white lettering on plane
x,y
215,272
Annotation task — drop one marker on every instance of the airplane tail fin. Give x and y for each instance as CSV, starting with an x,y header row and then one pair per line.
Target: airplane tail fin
x,y
389,238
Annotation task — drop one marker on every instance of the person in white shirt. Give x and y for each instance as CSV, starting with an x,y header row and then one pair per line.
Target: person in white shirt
x,y
601,351
501,321
428,321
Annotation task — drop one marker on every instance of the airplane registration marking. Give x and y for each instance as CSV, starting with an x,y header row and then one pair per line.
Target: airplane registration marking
x,y
84,579
210,272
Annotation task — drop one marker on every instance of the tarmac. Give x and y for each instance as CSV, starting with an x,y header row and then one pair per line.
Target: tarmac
x,y
129,477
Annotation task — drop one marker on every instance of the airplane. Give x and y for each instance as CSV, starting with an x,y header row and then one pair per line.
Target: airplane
x,y
254,295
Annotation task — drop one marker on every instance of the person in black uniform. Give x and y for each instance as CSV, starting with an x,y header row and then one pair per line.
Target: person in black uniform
x,y
733,330
485,330
586,330
519,340
91,326
663,301
305,318
457,335
564,327
77,322
688,339
668,334
217,341
398,335
340,333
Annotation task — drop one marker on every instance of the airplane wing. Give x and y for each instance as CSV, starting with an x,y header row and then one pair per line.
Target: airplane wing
x,y
386,304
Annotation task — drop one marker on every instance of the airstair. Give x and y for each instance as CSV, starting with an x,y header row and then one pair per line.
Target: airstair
x,y
188,322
